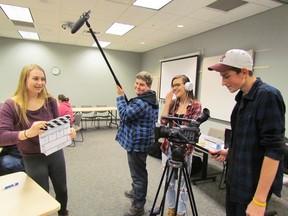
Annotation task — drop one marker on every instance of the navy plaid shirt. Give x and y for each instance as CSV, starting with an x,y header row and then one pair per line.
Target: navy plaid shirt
x,y
258,127
137,125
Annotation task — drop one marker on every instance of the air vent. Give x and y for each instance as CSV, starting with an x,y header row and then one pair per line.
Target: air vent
x,y
226,5
25,24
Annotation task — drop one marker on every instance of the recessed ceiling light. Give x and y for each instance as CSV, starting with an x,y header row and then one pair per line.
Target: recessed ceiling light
x,y
119,29
29,35
102,44
180,26
142,43
17,13
152,4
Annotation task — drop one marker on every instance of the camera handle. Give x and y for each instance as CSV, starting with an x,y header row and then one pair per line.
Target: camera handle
x,y
176,166
200,148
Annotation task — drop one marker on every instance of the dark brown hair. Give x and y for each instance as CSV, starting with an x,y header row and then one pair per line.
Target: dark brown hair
x,y
62,98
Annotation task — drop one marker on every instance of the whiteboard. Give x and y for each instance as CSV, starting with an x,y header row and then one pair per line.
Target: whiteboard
x,y
214,96
177,66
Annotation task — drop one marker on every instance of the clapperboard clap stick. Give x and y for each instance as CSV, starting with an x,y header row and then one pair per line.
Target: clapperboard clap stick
x,y
84,19
57,122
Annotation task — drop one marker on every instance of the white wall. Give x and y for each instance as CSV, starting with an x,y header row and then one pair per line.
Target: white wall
x,y
85,77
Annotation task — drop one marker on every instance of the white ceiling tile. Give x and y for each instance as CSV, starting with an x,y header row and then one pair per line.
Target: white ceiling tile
x,y
187,22
155,28
136,15
140,32
160,20
108,10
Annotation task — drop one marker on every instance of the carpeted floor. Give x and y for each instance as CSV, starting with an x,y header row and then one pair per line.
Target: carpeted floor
x,y
98,175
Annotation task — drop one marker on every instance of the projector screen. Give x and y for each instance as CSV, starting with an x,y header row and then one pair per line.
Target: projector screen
x,y
177,66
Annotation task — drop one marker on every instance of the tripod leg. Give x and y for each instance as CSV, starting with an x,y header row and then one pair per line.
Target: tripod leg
x,y
183,171
178,190
190,192
154,211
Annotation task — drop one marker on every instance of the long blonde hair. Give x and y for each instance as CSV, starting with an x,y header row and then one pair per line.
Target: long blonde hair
x,y
21,93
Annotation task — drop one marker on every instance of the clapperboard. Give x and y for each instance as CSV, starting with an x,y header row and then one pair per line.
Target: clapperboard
x,y
56,135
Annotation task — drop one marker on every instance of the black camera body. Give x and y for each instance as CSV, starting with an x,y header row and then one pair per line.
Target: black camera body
x,y
179,134
182,135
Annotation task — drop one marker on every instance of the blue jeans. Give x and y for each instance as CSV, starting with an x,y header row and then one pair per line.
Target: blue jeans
x,y
171,194
10,164
139,176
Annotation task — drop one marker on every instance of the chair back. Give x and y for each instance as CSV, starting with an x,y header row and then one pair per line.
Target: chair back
x,y
78,128
77,119
101,106
87,113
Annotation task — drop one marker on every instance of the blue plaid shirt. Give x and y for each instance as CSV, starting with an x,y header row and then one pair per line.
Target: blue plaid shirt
x,y
258,126
137,125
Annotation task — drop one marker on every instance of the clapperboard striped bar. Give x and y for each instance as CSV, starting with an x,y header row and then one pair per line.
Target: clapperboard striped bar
x,y
58,122
56,135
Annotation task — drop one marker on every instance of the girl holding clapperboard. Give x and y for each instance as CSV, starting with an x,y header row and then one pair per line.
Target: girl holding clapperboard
x,y
22,118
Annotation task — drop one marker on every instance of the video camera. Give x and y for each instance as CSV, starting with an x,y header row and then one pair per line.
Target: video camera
x,y
181,135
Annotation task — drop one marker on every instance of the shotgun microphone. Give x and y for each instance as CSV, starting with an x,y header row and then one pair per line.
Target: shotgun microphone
x,y
83,18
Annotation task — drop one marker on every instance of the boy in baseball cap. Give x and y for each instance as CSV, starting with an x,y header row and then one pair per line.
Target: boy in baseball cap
x,y
255,154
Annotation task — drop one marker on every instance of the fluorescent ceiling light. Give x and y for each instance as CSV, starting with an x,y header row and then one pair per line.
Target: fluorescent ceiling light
x,y
17,13
153,4
119,29
102,44
29,35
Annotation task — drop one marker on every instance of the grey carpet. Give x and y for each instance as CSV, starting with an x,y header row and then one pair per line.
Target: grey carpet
x,y
98,175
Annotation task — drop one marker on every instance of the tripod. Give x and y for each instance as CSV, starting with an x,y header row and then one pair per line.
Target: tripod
x,y
176,166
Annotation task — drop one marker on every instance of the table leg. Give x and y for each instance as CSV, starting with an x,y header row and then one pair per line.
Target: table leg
x,y
113,119
204,175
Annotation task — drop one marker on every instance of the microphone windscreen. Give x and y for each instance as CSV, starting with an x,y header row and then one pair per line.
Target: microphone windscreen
x,y
85,16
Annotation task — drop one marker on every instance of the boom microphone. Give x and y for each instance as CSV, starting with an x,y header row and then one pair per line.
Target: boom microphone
x,y
83,18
